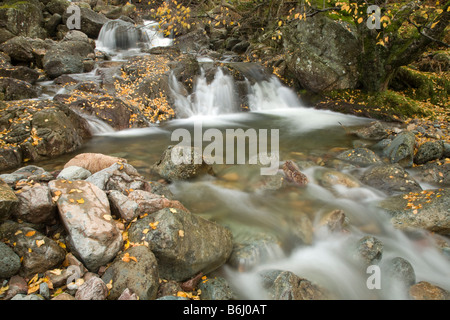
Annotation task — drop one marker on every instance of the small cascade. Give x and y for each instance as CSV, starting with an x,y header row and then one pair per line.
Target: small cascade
x,y
97,127
271,94
155,36
120,35
207,99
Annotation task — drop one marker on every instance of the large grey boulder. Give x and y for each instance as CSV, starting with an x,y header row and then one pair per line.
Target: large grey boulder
x,y
183,243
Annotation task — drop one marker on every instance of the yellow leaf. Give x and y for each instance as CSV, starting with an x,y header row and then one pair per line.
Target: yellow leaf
x,y
71,200
153,224
434,24
145,231
57,193
173,210
30,233
39,243
181,233
80,200
107,217
33,289
18,232
280,23
360,20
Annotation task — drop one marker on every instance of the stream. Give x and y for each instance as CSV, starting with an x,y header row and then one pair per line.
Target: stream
x,y
232,197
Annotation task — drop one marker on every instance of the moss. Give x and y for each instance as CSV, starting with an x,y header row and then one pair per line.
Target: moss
x,y
423,86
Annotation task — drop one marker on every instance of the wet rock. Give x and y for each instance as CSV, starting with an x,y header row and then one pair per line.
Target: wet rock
x,y
135,269
24,49
93,162
92,289
24,18
361,157
184,244
85,212
39,252
375,131
91,21
44,290
293,174
391,179
429,210
329,178
9,261
216,289
285,285
36,205
430,150
184,167
336,221
8,201
435,173
369,250
74,173
426,291
401,149
20,73
66,57
399,270
14,89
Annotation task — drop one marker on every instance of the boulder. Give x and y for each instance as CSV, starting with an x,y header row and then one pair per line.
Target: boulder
x,y
428,209
327,59
20,73
135,269
85,212
8,201
328,178
94,162
216,289
91,21
183,243
187,169
9,261
360,156
369,250
66,57
14,89
426,291
36,205
375,131
74,173
391,179
401,149
428,151
23,18
39,252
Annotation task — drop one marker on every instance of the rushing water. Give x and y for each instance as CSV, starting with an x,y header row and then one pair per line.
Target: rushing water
x,y
232,196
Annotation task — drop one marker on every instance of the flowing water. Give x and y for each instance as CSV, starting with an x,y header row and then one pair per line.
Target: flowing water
x,y
234,198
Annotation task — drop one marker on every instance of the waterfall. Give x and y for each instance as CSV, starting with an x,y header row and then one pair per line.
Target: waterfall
x,y
122,35
96,126
217,97
271,94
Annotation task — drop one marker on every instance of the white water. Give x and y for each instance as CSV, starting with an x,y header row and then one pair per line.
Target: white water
x,y
215,98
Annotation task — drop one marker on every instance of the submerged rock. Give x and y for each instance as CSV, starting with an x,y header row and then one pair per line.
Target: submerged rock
x,y
427,291
360,156
285,285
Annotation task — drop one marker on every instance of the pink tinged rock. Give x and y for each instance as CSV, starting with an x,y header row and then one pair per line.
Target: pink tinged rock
x,y
93,162
85,212
92,289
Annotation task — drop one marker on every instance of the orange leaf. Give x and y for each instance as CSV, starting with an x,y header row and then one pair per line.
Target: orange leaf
x,y
30,233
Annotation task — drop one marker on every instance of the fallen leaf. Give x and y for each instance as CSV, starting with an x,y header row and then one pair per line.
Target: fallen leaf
x,y
181,233
80,200
30,233
39,243
107,217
